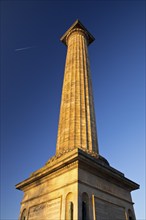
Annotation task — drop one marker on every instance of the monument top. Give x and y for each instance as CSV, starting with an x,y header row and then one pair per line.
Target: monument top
x,y
77,25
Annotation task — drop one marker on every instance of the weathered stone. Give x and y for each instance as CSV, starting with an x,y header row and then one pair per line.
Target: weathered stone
x,y
77,183
77,125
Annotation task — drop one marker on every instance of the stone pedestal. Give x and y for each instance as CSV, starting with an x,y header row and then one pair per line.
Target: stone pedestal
x,y
77,184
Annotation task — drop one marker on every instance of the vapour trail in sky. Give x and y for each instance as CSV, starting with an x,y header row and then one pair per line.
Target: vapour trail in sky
x,y
23,48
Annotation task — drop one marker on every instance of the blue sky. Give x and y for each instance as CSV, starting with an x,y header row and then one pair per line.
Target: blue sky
x,y
31,82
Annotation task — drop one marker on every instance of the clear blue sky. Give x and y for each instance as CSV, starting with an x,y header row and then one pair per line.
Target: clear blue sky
x,y
31,81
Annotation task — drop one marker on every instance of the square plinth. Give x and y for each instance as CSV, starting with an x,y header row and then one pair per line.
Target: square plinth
x,y
75,186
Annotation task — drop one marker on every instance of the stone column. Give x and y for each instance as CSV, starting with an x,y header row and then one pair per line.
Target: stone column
x,y
77,125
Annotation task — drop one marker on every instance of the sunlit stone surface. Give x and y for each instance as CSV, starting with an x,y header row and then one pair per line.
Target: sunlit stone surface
x,y
77,183
77,126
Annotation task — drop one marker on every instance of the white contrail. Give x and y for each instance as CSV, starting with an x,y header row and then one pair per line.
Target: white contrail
x,y
23,48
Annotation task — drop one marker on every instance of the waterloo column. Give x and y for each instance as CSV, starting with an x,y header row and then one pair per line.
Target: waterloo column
x,y
77,125
77,182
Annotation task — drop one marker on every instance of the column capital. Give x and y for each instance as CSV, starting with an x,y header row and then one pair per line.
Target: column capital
x,y
77,27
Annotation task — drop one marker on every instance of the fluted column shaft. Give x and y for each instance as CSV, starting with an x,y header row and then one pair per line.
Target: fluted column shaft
x,y
77,126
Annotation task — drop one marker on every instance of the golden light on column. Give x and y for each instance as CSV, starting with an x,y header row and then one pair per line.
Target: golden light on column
x,y
77,124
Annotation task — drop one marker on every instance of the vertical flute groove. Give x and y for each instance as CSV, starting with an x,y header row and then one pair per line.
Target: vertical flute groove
x,y
77,125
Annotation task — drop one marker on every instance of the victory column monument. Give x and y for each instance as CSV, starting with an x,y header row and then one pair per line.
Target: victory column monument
x,y
77,183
